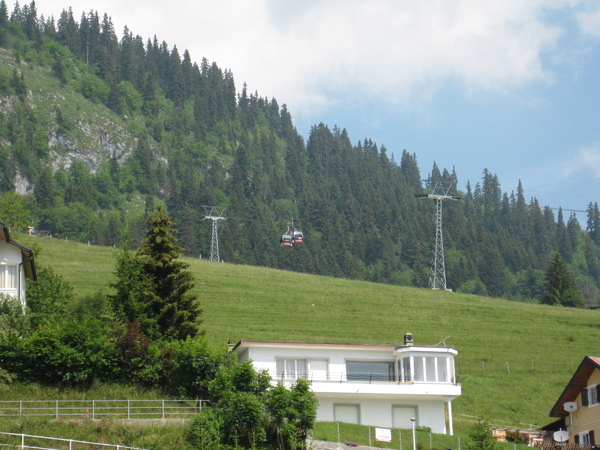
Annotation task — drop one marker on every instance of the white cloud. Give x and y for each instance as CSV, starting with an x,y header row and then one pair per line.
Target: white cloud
x,y
312,54
586,160
589,21
394,51
562,176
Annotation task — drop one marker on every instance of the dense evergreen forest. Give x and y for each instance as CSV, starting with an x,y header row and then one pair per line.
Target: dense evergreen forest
x,y
96,130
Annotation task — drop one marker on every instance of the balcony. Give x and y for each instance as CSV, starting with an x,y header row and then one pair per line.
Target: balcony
x,y
373,384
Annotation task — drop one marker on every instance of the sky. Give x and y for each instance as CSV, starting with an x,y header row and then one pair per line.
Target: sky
x,y
510,86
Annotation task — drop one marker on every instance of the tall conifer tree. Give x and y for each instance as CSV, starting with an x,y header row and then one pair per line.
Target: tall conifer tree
x,y
170,302
153,286
559,286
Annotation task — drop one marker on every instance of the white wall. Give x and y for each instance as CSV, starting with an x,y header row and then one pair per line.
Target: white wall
x,y
378,413
9,254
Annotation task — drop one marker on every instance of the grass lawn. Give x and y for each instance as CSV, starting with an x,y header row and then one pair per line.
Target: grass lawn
x,y
514,358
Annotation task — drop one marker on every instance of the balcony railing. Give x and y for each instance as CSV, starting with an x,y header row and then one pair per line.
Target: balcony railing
x,y
354,377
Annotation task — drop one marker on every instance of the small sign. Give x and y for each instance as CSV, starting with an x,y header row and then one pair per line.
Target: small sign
x,y
383,434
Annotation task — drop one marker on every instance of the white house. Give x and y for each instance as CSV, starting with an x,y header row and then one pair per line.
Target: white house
x,y
376,385
16,264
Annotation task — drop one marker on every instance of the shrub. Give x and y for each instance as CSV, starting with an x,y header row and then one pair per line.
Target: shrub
x,y
206,430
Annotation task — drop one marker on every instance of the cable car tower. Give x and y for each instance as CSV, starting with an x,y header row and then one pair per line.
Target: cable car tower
x,y
439,191
214,213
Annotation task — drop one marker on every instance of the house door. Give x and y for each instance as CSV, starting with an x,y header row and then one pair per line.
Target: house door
x,y
401,416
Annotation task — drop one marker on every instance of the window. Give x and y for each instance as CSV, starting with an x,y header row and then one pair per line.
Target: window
x,y
8,277
419,369
586,437
291,369
589,396
429,369
405,370
370,370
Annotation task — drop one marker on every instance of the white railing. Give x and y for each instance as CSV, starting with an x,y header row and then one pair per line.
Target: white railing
x,y
355,377
102,409
28,441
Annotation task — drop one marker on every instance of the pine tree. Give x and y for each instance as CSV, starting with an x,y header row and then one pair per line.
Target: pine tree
x,y
152,286
170,303
481,437
559,285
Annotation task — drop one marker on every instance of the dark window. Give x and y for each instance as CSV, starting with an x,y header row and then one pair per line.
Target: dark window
x,y
369,371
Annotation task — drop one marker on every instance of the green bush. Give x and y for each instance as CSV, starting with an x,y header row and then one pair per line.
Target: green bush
x,y
196,364
72,355
206,430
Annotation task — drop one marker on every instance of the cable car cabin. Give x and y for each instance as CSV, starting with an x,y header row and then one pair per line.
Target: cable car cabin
x,y
298,237
287,240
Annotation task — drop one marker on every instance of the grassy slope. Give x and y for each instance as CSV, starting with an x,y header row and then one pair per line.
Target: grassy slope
x,y
541,346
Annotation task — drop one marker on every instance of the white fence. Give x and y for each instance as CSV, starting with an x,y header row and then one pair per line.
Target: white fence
x,y
102,409
28,441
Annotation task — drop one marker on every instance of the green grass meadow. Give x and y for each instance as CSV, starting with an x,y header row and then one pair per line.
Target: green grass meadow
x,y
514,358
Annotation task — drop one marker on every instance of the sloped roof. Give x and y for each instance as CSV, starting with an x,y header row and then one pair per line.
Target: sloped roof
x,y
577,383
26,253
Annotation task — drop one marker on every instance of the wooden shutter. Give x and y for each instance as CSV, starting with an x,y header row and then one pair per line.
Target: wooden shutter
x,y
577,439
592,440
584,397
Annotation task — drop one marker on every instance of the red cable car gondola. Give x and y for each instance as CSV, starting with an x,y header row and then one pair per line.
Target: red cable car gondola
x,y
292,237
298,237
287,240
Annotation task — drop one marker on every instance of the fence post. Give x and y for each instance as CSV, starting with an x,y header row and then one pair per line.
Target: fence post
x,y
57,414
163,408
507,368
128,409
93,409
20,409
22,440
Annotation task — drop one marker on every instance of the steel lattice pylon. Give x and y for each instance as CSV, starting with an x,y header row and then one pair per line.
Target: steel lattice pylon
x,y
215,213
439,192
437,279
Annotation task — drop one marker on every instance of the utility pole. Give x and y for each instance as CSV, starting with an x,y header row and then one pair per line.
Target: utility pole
x,y
439,191
216,214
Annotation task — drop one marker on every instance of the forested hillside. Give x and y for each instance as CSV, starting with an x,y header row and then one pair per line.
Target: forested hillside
x,y
96,130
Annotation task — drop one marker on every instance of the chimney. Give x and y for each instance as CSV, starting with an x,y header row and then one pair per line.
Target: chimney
x,y
408,339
